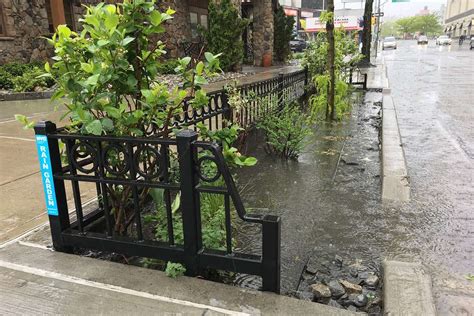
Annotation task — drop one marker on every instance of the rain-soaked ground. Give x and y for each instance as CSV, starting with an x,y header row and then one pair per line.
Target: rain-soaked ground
x,y
330,208
433,91
328,200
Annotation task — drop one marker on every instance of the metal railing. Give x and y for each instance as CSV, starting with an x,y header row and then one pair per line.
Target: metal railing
x,y
88,160
136,165
356,78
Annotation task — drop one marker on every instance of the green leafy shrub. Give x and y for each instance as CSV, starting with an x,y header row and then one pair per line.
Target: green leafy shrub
x,y
225,33
17,69
283,34
174,270
30,80
6,80
168,67
315,59
285,131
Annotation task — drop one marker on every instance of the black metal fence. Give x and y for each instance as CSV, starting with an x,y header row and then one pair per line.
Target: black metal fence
x,y
123,170
356,78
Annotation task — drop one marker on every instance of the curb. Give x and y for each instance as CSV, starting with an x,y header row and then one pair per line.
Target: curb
x,y
22,96
407,289
395,183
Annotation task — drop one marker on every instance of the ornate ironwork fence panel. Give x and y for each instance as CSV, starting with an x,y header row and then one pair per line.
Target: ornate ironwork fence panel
x,y
124,171
260,97
356,78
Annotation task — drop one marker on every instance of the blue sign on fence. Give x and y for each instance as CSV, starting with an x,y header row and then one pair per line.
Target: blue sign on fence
x,y
47,174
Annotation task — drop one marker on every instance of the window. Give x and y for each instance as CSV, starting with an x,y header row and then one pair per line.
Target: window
x,y
3,30
198,19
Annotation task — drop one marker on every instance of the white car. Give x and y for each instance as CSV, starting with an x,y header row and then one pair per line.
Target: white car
x,y
443,40
389,42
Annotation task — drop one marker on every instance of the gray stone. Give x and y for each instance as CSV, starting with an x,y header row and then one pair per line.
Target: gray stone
x,y
351,287
320,290
361,300
352,308
338,260
337,290
372,280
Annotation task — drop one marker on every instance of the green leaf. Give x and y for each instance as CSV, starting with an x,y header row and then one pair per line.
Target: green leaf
x,y
155,18
102,42
92,80
87,67
47,67
111,22
176,203
113,112
127,40
250,161
107,124
94,127
199,68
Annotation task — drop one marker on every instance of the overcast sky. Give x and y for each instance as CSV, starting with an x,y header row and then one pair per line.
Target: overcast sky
x,y
399,9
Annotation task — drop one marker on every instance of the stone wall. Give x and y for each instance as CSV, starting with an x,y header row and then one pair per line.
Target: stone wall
x,y
178,30
262,30
26,22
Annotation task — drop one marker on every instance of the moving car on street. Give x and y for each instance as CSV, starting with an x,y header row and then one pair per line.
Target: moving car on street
x,y
422,39
297,45
443,40
389,42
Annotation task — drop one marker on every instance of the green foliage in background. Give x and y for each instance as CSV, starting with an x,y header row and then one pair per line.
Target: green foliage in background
x,y
225,33
423,24
23,77
283,34
315,58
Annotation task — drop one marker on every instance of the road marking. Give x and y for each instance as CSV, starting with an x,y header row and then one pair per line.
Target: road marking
x,y
113,288
33,245
18,138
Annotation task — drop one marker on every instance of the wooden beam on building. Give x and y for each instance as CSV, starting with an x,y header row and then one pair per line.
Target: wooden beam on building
x,y
57,12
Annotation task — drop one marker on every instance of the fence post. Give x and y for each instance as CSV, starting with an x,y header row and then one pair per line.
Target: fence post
x,y
271,262
365,81
281,101
189,201
54,191
228,115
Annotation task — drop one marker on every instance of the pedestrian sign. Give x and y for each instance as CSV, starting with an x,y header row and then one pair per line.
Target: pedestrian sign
x,y
47,174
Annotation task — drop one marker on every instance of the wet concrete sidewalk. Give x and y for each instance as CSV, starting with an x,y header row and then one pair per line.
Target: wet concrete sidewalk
x,y
36,280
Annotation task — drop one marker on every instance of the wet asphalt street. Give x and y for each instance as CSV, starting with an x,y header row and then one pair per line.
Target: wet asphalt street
x,y
433,92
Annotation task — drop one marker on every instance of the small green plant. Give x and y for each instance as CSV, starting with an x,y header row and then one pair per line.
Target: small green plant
x,y
225,33
30,80
283,34
168,67
286,131
174,270
6,80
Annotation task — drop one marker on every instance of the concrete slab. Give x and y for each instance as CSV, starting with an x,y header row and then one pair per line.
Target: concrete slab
x,y
407,289
455,305
132,284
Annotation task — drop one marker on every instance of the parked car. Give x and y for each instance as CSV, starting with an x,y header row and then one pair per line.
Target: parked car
x,y
389,42
422,39
471,44
297,45
443,40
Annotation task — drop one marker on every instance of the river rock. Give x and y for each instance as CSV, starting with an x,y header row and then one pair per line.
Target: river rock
x,y
372,280
352,308
320,291
338,261
351,287
337,290
360,300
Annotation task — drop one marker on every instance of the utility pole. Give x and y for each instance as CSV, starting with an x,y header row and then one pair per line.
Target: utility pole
x,y
378,29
